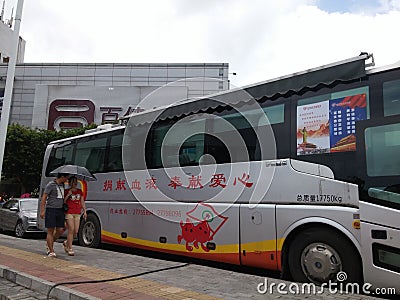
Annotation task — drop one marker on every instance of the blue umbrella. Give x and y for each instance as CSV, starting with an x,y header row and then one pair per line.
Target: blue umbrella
x,y
80,172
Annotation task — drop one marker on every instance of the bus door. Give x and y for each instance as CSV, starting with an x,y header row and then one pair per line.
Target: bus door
x,y
258,236
378,155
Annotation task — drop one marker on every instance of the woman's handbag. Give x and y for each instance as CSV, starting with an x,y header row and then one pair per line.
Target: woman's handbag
x,y
65,207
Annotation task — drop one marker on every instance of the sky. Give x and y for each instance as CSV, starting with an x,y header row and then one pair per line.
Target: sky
x,y
260,39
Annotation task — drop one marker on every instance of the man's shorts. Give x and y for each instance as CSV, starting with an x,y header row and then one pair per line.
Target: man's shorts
x,y
54,218
72,216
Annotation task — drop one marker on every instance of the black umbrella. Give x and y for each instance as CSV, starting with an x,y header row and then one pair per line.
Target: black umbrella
x,y
80,172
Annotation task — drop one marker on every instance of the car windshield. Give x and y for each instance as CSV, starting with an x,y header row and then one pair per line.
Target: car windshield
x,y
30,204
11,203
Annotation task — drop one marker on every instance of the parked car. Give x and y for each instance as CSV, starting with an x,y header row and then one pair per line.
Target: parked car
x,y
19,215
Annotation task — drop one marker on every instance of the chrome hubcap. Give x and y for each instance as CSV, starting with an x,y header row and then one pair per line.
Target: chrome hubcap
x,y
88,233
320,262
19,230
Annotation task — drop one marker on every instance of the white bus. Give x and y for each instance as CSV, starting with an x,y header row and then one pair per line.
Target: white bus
x,y
299,174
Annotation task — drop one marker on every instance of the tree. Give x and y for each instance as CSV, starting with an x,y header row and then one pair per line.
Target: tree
x,y
24,151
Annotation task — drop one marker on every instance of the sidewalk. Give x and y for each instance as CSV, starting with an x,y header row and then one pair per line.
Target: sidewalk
x,y
39,273
10,290
23,261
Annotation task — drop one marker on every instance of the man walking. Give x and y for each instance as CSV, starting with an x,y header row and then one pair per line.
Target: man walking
x,y
51,209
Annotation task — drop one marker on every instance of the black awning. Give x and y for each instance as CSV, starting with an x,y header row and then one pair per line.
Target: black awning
x,y
343,71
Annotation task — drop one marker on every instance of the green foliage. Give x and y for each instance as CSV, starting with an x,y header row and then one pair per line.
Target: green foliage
x,y
24,151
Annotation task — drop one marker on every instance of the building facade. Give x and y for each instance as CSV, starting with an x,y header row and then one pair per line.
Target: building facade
x,y
59,95
6,40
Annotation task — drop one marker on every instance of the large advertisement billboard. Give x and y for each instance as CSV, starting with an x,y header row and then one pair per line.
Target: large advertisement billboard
x,y
330,125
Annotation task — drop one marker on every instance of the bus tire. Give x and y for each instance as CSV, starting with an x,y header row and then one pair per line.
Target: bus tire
x,y
318,255
89,234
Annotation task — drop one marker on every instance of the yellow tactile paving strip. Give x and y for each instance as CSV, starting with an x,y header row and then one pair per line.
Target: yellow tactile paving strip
x,y
135,284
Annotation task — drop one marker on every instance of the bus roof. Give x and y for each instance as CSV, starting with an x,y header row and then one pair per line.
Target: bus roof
x,y
99,129
342,71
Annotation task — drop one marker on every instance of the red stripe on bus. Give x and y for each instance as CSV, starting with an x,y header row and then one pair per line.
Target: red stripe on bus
x,y
263,259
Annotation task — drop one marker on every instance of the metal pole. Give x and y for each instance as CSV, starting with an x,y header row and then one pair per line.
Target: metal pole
x,y
5,114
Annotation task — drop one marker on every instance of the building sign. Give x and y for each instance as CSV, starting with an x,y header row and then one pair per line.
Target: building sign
x,y
330,125
78,106
68,114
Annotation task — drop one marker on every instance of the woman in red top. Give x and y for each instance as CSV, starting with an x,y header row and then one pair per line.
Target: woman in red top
x,y
75,201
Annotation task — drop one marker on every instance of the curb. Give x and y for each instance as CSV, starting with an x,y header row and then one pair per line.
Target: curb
x,y
42,286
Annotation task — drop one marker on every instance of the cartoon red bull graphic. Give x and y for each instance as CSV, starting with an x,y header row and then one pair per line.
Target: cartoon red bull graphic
x,y
208,223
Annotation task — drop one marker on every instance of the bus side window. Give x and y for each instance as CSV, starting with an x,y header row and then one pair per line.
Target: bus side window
x,y
114,158
233,139
382,160
60,156
90,153
391,96
55,162
216,149
184,159
191,150
94,162
134,144
174,144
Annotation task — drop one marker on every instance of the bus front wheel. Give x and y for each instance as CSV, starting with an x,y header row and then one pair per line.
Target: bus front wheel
x,y
89,234
323,255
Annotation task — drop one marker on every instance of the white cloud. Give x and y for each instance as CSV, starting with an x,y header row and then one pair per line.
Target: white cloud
x,y
259,39
309,37
388,5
